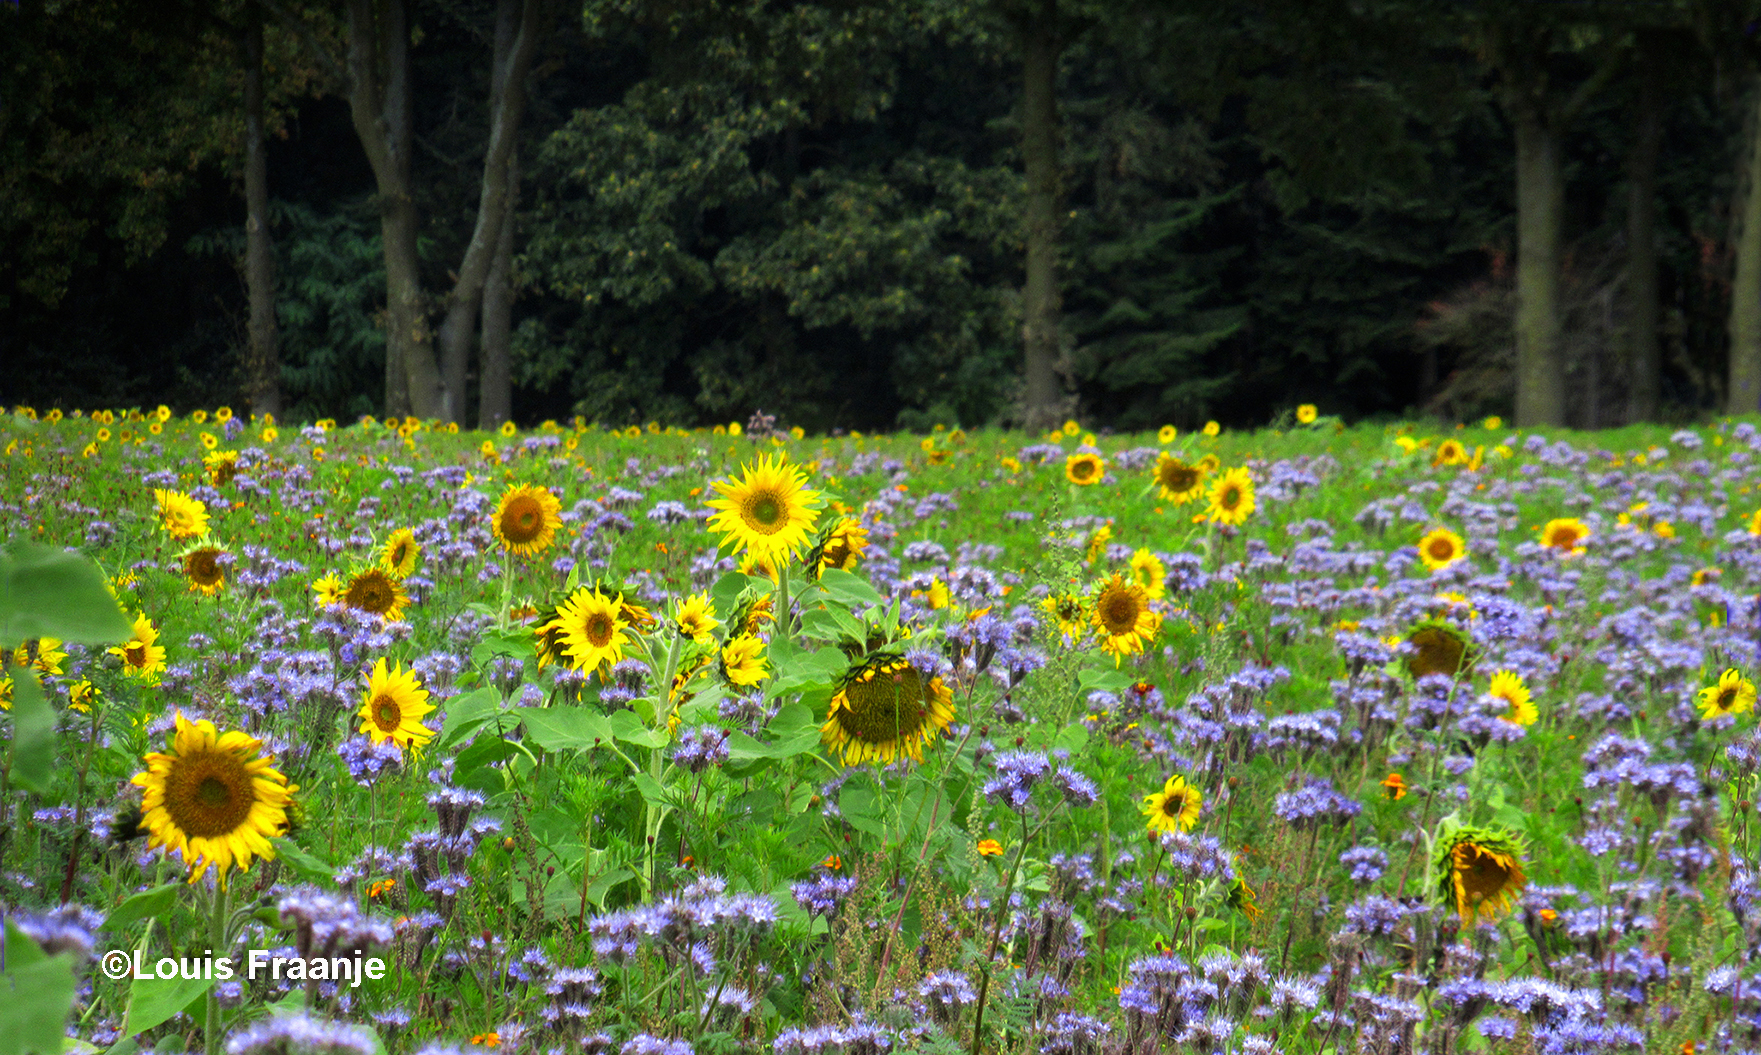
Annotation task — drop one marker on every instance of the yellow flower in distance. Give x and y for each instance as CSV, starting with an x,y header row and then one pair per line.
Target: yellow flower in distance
x,y
1084,470
142,656
769,511
1166,434
1440,548
1178,481
1451,452
1566,535
526,520
180,515
1122,617
215,799
1231,498
1731,694
393,707
1212,428
222,466
1173,809
886,710
591,626
400,553
1509,687
1306,414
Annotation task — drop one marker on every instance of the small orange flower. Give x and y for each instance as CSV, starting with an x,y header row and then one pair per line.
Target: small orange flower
x,y
380,888
833,862
990,848
1395,785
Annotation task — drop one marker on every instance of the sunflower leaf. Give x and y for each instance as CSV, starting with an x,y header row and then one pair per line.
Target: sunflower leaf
x,y
53,593
154,1000
565,728
155,902
33,733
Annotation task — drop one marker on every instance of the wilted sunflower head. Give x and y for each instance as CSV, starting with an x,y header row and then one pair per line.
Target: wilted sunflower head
x,y
1438,648
885,709
376,592
1477,871
203,569
1178,481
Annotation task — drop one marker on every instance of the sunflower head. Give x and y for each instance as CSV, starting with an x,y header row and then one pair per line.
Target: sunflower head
x,y
1173,809
694,617
1306,414
1176,480
204,569
1166,434
1730,694
1565,535
1438,648
1509,688
400,553
1231,498
181,516
393,707
1069,611
742,660
222,467
1148,571
769,511
526,519
1450,452
1084,470
1122,617
142,656
886,709
1440,548
591,627
1478,871
376,592
841,547
214,797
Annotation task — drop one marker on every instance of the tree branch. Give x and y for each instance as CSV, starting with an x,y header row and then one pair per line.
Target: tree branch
x,y
1586,91
313,44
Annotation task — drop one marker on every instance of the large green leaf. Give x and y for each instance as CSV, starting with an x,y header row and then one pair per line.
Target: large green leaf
x,y
36,994
33,733
153,1000
53,593
565,728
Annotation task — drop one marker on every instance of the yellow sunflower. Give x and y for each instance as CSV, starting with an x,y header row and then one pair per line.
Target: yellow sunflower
x,y
327,590
694,617
1070,613
1731,694
81,695
203,570
758,566
376,592
1509,687
215,799
1451,452
400,553
180,515
141,656
44,653
1097,543
1565,534
1122,617
1479,871
769,511
1306,414
1178,481
1440,548
886,710
1231,497
1173,809
1212,428
845,546
1148,571
592,629
393,707
222,466
743,660
1084,470
526,520
1166,434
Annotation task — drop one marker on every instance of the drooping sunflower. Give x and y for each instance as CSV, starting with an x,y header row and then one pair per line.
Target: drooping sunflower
x,y
1178,481
759,566
743,661
376,592
400,553
1173,809
1440,548
180,515
203,570
592,629
1566,535
215,798
1084,470
844,548
1306,414
694,617
885,710
526,520
1731,694
1478,871
1070,613
1438,648
769,511
1122,617
1243,898
1148,571
222,466
393,707
1097,543
1231,497
1509,687
141,657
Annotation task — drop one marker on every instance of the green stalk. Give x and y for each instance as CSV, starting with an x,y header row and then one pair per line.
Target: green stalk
x,y
984,985
782,620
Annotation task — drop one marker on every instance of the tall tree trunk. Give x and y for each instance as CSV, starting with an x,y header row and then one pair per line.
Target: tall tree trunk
x,y
1040,302
380,102
1645,357
263,357
495,399
1540,203
1745,288
516,38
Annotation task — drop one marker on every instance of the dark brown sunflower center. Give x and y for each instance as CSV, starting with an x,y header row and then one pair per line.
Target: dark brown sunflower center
x,y
371,593
1481,874
1083,470
209,794
1442,549
1119,611
203,568
886,707
1727,698
1178,477
135,653
387,715
398,554
763,512
599,629
1230,498
1176,804
523,520
1438,653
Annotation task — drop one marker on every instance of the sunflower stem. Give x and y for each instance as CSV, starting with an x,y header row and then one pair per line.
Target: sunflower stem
x,y
783,618
217,936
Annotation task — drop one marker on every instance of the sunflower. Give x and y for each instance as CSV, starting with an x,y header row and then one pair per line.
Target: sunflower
x,y
81,695
592,628
327,590
1394,785
844,548
1166,434
203,570
1069,611
393,707
222,466
694,617
1450,452
937,596
1732,694
1084,470
526,520
743,661
376,592
180,515
1243,899
1231,498
1509,687
400,553
1122,617
1439,648
1071,428
769,512
1306,414
1173,809
758,566
141,657
215,799
886,709
1212,429
1440,548
44,654
1097,543
1479,870
1566,535
1148,571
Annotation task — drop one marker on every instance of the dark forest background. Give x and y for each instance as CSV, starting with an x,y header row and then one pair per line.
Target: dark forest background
x,y
882,214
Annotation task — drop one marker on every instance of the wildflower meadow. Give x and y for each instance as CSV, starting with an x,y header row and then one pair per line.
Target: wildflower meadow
x,y
381,737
